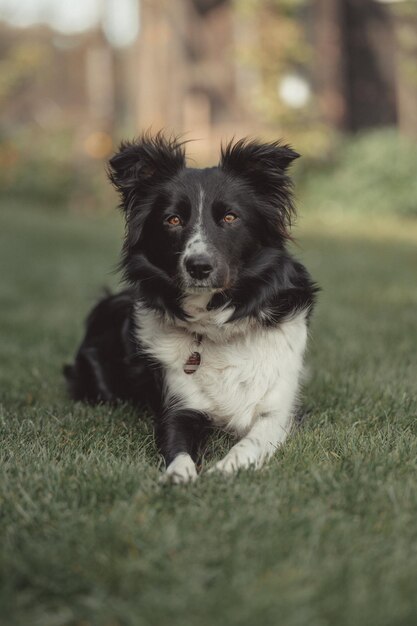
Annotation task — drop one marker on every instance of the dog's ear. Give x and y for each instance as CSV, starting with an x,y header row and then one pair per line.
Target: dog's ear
x,y
263,166
140,165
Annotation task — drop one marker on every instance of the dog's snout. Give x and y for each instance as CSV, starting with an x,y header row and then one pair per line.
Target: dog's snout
x,y
199,266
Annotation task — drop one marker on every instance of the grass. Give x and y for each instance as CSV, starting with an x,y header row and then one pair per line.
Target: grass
x,y
325,534
367,173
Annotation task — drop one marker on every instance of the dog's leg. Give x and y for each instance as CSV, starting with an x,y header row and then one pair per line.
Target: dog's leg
x,y
266,435
179,435
274,415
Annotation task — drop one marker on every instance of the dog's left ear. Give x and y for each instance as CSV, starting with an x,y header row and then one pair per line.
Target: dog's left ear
x,y
264,167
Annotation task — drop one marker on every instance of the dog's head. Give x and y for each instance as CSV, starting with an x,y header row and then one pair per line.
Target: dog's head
x,y
190,230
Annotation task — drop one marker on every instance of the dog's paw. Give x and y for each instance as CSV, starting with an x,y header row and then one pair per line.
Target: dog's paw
x,y
239,457
182,470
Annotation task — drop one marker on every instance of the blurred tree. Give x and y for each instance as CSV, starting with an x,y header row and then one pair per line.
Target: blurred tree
x,y
343,50
330,65
23,64
354,68
274,42
404,16
186,69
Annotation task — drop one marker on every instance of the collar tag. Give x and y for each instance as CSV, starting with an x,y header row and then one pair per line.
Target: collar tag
x,y
192,363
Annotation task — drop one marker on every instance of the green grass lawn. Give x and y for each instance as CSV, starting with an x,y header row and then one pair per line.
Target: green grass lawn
x,y
325,534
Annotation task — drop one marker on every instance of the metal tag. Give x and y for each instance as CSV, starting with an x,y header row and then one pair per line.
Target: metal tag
x,y
191,365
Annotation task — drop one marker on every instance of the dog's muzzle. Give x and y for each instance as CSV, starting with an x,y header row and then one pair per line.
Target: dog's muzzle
x,y
201,272
199,266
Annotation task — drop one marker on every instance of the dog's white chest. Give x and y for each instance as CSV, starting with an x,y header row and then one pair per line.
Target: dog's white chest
x,y
234,381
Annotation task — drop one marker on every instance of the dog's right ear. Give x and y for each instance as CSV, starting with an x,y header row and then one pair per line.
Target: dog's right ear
x,y
140,165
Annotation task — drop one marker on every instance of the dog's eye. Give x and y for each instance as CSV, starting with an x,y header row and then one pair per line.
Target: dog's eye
x,y
229,218
173,220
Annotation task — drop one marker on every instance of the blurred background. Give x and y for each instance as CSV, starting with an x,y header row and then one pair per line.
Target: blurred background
x,y
336,78
87,536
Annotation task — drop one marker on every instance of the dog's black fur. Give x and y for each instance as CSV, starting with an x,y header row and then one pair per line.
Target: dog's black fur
x,y
250,267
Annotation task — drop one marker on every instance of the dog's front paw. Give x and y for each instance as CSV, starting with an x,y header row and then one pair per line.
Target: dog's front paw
x,y
182,470
239,457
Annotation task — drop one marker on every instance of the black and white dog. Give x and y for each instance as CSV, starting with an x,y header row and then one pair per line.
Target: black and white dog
x,y
213,328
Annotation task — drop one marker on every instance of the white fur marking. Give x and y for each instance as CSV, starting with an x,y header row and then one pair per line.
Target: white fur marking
x,y
197,243
181,470
263,439
248,378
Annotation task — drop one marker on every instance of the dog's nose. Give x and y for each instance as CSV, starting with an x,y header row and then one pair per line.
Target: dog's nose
x,y
199,266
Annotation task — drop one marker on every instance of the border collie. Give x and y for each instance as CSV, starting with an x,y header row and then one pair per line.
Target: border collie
x,y
213,326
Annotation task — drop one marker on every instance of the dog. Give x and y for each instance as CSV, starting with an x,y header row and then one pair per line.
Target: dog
x,y
213,326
